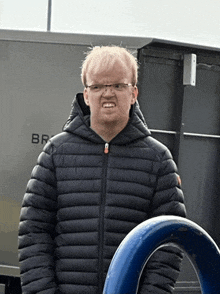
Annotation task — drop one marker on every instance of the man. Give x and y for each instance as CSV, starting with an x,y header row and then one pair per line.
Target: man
x,y
93,183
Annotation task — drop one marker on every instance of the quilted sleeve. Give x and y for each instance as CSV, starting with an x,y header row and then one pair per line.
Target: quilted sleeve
x,y
162,269
168,198
37,227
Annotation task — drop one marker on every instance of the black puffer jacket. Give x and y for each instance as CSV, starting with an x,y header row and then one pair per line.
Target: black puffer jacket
x,y
81,202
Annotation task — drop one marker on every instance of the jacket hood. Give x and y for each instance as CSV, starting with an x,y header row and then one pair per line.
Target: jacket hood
x,y
78,123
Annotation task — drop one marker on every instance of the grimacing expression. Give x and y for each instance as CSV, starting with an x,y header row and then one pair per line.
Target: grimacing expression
x,y
110,106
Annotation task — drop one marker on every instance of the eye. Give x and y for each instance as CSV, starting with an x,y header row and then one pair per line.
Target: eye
x,y
118,86
96,87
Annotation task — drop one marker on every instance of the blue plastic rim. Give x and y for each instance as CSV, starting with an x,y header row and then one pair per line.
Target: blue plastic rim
x,y
134,251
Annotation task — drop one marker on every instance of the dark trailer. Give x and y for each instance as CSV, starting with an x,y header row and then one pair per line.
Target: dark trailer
x,y
179,86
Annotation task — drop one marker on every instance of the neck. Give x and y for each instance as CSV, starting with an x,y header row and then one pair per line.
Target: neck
x,y
108,131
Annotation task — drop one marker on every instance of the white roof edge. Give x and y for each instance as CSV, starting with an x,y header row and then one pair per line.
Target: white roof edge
x,y
133,42
74,39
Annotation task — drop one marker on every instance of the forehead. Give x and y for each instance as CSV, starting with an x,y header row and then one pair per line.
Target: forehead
x,y
105,73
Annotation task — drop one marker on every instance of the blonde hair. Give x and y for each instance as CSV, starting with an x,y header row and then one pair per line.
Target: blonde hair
x,y
100,58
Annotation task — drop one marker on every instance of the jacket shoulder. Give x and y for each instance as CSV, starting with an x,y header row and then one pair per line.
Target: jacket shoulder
x,y
59,139
159,148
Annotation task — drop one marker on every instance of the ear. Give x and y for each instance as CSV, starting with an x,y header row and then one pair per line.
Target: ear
x,y
134,95
85,95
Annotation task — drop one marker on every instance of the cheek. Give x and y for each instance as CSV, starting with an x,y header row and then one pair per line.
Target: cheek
x,y
94,105
128,102
125,108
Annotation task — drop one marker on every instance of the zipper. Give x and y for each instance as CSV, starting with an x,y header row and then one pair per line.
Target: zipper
x,y
106,149
101,220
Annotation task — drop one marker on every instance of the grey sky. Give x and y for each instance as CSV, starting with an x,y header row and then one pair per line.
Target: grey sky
x,y
190,21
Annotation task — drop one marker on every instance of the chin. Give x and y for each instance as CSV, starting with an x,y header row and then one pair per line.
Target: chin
x,y
114,121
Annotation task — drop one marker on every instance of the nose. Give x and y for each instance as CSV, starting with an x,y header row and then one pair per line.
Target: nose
x,y
108,90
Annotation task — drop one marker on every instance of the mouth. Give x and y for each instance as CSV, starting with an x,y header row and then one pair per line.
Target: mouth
x,y
108,104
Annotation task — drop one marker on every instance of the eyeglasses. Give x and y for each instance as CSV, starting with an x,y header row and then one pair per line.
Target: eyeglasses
x,y
100,88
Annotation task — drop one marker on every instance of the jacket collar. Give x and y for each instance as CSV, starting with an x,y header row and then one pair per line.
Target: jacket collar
x,y
79,123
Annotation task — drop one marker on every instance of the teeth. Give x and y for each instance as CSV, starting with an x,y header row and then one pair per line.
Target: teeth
x,y
107,105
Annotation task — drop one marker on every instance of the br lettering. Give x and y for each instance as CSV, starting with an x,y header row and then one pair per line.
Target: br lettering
x,y
40,138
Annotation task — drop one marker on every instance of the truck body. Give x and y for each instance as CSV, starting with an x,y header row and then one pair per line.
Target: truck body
x,y
40,75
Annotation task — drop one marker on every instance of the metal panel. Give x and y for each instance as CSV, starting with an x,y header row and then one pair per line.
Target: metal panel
x,y
199,151
161,94
202,103
38,82
186,120
199,166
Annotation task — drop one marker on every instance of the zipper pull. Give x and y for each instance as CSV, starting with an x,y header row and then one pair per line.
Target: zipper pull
x,y
106,150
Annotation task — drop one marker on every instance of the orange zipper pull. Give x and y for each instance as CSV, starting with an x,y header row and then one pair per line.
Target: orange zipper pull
x,y
106,150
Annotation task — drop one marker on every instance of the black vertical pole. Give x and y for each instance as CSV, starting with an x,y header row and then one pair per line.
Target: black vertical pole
x,y
49,15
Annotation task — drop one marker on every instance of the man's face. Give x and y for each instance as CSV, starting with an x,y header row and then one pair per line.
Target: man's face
x,y
110,106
